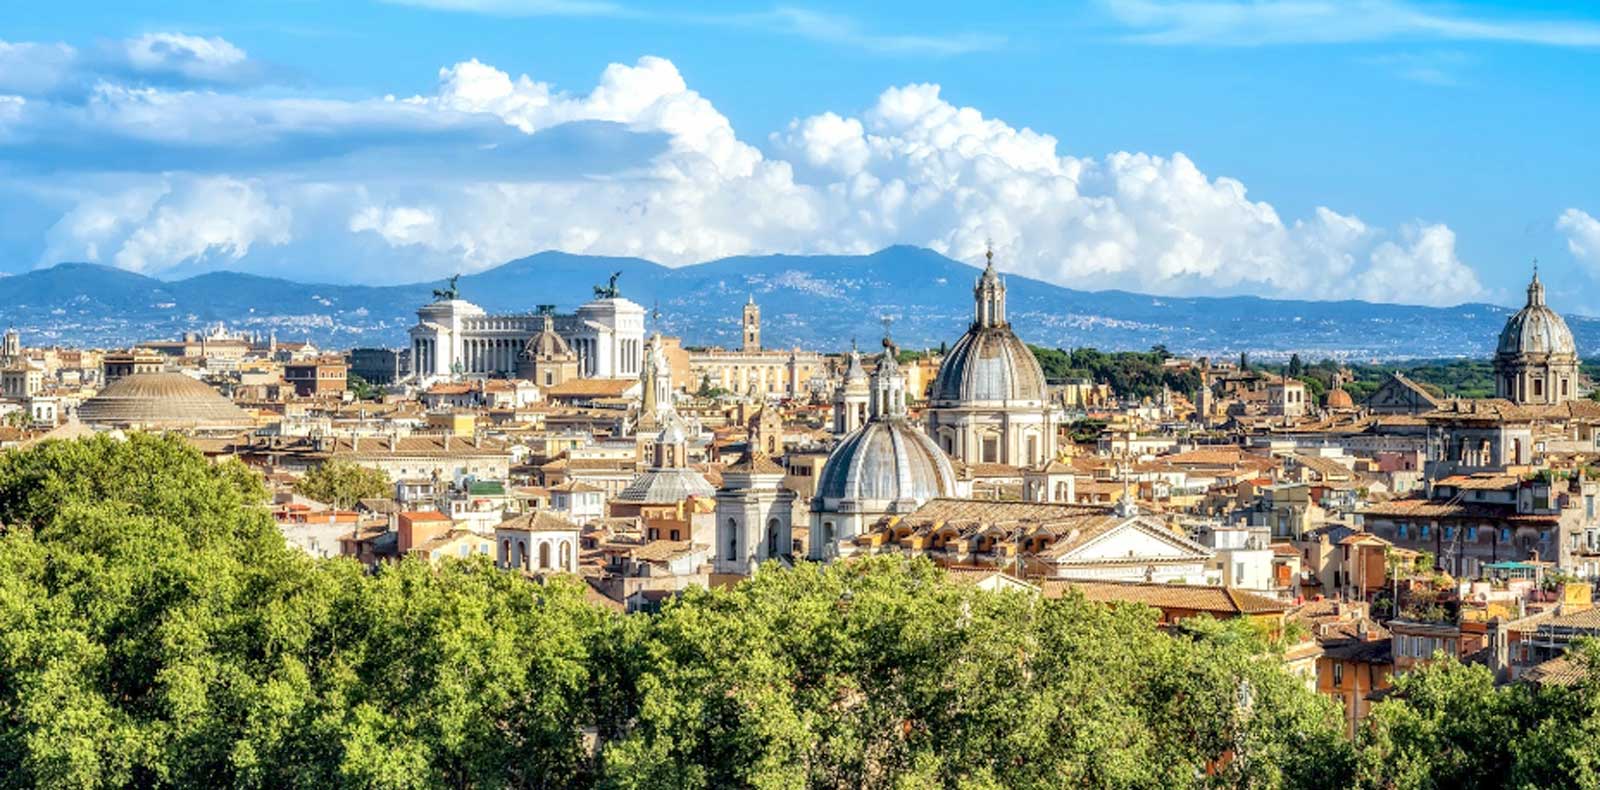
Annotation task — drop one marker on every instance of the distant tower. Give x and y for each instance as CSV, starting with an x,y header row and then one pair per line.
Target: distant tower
x,y
655,377
11,345
752,325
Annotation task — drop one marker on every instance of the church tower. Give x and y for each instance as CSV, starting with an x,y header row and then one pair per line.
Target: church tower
x,y
752,326
656,385
755,512
851,397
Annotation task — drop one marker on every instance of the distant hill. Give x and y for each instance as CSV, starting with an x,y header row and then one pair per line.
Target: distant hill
x,y
816,301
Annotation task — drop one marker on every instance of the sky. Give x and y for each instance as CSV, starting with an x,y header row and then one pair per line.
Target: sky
x,y
1391,151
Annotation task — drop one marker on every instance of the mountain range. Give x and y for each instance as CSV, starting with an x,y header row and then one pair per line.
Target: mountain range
x,y
815,301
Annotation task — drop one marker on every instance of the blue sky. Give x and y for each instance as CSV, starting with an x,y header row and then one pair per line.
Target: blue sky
x,y
1411,152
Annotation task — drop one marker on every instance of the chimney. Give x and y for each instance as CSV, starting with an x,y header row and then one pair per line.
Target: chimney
x,y
394,438
447,441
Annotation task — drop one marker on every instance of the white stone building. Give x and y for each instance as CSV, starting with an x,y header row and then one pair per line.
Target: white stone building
x,y
537,542
454,337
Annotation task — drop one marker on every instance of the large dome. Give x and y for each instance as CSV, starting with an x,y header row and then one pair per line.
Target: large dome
x,y
887,460
989,363
162,401
1536,329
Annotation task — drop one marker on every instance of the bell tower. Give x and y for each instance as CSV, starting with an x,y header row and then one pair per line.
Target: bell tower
x,y
752,326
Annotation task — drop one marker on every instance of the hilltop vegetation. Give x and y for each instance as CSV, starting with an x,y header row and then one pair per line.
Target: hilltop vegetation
x,y
155,631
1140,374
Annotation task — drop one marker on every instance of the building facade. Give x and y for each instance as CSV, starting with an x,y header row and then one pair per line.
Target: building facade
x,y
456,338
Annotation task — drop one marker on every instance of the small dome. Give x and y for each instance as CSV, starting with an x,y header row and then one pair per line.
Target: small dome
x,y
546,345
162,400
887,460
989,363
1536,329
1339,399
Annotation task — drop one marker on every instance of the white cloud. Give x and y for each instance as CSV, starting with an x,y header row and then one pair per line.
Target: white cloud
x,y
846,31
33,69
1423,270
152,227
387,201
1271,22
1583,237
197,58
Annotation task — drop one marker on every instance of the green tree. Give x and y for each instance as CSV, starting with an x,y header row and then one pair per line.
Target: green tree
x,y
361,388
342,483
155,630
1296,367
882,673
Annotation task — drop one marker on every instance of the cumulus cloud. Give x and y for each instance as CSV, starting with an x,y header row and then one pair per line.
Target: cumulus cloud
x,y
527,171
195,58
1583,236
152,227
1422,267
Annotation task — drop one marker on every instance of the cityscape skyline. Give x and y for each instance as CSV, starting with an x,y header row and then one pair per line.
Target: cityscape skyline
x,y
257,140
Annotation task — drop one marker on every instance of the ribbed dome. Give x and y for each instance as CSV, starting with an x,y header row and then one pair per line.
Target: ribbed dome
x,y
887,460
547,344
1536,329
161,400
1339,399
989,363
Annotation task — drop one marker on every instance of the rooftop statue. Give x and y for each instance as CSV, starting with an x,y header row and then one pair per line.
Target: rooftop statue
x,y
608,291
448,294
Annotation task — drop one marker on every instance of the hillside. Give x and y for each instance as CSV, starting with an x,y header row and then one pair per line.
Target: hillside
x,y
818,301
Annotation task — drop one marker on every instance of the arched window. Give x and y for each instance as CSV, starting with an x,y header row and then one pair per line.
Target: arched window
x,y
522,554
544,555
566,555
505,553
772,538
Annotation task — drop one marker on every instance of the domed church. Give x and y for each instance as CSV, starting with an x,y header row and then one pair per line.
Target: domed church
x,y
1536,361
989,402
887,466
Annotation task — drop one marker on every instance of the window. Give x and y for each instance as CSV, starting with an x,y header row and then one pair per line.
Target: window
x,y
1402,531
1424,531
1538,388
1338,674
1449,533
544,555
1472,534
675,535
1505,534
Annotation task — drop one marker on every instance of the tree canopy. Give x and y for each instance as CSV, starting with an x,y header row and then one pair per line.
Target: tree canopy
x,y
156,631
342,483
